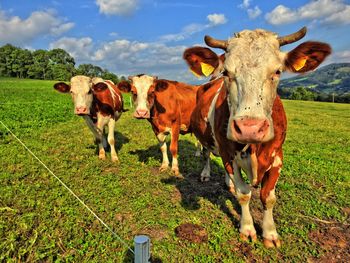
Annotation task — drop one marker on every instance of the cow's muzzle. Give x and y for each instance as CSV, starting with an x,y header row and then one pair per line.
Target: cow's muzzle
x,y
141,114
249,130
81,110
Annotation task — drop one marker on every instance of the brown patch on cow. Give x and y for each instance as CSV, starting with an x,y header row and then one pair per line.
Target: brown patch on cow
x,y
191,232
334,241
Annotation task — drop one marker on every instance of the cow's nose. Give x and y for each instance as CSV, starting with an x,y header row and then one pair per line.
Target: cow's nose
x,y
81,110
248,130
141,114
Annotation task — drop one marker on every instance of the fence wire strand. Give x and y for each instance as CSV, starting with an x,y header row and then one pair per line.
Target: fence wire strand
x,y
81,201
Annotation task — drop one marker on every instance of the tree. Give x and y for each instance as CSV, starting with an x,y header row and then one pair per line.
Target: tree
x,y
301,93
6,60
40,66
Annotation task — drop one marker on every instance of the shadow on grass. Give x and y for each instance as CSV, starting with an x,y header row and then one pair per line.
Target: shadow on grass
x,y
119,138
129,258
190,187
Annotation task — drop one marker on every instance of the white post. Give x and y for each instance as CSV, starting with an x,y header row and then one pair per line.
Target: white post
x,y
142,249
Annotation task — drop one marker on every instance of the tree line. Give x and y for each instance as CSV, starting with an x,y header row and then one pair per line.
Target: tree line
x,y
301,93
55,64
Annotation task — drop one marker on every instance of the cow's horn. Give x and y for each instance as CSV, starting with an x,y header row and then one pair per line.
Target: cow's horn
x,y
292,37
216,43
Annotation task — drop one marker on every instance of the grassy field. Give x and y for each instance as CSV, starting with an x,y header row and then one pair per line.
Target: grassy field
x,y
41,221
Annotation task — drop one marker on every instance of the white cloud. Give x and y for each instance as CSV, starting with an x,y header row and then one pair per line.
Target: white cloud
x,y
187,31
252,12
342,17
217,19
19,31
327,11
79,48
117,7
339,57
245,4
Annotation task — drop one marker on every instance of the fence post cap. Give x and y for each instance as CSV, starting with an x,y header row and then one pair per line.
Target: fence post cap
x,y
141,239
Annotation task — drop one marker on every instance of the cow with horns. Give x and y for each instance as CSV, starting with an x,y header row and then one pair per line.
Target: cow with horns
x,y
167,105
240,117
100,102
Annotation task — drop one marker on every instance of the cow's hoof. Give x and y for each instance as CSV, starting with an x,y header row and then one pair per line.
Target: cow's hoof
x,y
115,159
246,237
177,173
272,243
102,157
163,167
205,179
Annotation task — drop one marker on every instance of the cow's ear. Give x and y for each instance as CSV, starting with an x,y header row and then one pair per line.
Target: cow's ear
x,y
161,85
201,60
307,56
100,86
62,87
124,86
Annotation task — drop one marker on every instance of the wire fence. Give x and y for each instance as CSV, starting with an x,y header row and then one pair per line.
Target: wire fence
x,y
69,190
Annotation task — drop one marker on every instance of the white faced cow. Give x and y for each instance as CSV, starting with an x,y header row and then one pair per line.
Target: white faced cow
x,y
240,117
98,101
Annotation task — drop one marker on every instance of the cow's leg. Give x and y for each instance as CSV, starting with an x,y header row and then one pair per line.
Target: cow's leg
x,y
228,172
229,182
243,194
268,199
111,140
175,132
205,174
102,121
163,148
198,149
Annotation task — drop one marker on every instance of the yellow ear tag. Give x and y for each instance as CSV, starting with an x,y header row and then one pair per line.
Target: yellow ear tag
x,y
299,64
207,69
194,73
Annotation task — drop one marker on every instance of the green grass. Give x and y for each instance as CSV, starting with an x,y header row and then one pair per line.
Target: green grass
x,y
41,221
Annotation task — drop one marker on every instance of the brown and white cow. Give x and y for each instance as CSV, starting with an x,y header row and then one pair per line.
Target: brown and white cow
x,y
167,105
100,102
240,117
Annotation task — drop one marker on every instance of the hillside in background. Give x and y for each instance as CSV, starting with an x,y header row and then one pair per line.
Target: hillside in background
x,y
326,82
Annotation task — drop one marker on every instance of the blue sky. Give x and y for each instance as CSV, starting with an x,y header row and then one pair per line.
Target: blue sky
x,y
149,36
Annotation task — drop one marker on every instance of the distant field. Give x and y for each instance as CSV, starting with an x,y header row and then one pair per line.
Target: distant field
x,y
41,221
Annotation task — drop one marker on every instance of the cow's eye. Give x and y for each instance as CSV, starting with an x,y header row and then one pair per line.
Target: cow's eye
x,y
90,91
278,72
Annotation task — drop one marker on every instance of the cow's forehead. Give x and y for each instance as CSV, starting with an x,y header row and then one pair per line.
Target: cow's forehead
x,y
96,80
252,49
143,82
80,84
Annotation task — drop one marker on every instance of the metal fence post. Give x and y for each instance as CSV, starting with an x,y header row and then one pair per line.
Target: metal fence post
x,y
142,249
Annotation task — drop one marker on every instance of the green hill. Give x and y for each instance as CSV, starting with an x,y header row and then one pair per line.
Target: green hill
x,y
333,79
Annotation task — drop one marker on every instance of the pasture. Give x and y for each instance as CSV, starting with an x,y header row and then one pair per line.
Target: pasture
x,y
41,221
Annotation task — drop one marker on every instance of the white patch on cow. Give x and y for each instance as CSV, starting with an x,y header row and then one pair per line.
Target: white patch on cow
x,y
268,225
243,195
273,154
102,121
277,162
249,164
251,60
142,85
163,148
81,92
205,174
211,118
